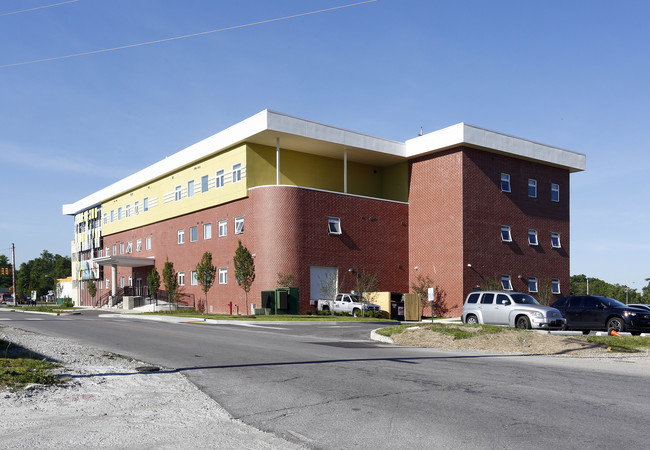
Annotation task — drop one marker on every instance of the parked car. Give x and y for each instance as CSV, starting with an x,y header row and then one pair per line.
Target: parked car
x,y
640,305
590,312
514,309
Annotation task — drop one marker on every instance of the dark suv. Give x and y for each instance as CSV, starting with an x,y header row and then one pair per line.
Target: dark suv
x,y
590,312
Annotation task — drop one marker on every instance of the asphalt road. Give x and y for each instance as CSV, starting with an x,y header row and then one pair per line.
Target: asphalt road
x,y
327,385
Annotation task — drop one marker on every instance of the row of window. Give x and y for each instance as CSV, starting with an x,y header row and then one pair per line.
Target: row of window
x,y
533,287
220,181
127,211
532,187
194,281
506,236
127,247
207,230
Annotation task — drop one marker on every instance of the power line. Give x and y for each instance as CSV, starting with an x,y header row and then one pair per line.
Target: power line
x,y
38,7
158,41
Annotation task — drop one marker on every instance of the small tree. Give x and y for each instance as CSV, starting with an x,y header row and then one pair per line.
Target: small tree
x,y
92,288
545,294
286,280
329,286
170,280
153,282
205,275
491,283
244,270
421,287
365,281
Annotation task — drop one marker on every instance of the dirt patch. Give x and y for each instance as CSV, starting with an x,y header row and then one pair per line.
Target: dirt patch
x,y
507,341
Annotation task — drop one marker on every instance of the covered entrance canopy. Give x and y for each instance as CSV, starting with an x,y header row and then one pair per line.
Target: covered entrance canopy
x,y
123,261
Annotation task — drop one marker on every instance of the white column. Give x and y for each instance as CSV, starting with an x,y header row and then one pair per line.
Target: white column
x,y
277,161
113,280
345,171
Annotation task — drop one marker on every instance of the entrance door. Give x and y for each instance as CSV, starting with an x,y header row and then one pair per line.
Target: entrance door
x,y
138,287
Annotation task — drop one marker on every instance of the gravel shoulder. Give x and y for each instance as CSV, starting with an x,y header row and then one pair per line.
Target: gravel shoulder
x,y
107,403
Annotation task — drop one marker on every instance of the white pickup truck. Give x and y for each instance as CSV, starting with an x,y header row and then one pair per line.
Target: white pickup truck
x,y
350,303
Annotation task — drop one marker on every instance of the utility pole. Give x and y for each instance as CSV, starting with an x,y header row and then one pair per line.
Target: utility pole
x,y
13,270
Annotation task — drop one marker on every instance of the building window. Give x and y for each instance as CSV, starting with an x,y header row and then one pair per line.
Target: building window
x,y
506,284
190,188
108,283
555,192
181,236
236,172
555,286
223,228
204,183
127,211
505,233
555,240
532,188
207,231
239,225
112,216
334,225
105,218
220,177
136,208
122,282
121,248
505,182
532,284
114,249
181,278
147,243
178,193
193,278
129,247
119,213
145,204
107,252
193,234
532,237
138,245
223,276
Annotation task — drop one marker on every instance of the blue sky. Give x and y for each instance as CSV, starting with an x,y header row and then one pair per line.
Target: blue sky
x,y
572,74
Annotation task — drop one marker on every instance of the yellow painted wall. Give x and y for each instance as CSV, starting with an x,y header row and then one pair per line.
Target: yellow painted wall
x,y
394,182
161,193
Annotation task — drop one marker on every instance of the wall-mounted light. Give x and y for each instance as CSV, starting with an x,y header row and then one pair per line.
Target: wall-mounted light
x,y
469,265
416,268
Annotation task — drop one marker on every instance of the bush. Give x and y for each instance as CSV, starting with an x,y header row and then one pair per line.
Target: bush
x,y
67,303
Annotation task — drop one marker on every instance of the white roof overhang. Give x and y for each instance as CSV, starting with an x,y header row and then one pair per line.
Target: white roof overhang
x,y
125,261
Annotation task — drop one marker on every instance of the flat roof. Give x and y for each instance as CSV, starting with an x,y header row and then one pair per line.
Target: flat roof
x,y
307,136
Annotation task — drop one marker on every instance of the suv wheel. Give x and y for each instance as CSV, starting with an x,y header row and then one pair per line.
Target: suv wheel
x,y
356,312
471,320
523,323
616,324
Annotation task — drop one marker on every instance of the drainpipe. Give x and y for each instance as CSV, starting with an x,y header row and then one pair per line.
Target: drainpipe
x,y
345,171
277,160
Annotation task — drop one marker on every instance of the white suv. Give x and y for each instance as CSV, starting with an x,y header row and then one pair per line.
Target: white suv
x,y
513,309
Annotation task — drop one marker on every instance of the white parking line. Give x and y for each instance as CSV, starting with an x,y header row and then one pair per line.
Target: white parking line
x,y
35,319
257,326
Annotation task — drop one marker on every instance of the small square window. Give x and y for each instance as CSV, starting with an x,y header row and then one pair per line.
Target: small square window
x,y
236,172
190,188
505,233
207,231
181,278
505,182
223,228
555,192
239,225
193,234
181,236
555,286
204,183
506,284
223,276
555,240
532,237
147,243
532,188
193,278
178,193
220,178
334,225
532,284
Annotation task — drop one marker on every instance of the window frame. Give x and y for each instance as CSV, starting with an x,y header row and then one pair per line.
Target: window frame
x,y
239,225
236,172
532,237
119,213
121,248
127,211
507,279
205,184
533,286
181,236
555,192
506,228
532,188
554,235
194,234
220,178
145,204
147,243
223,275
138,245
223,228
207,227
178,193
190,188
136,207
334,226
181,278
555,283
194,280
505,178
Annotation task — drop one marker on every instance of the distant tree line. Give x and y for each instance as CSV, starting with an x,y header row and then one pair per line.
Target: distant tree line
x,y
39,274
615,291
